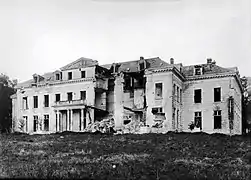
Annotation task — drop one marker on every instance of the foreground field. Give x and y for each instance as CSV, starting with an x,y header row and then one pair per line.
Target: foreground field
x,y
149,156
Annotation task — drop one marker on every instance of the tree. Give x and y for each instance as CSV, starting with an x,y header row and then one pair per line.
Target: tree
x,y
6,90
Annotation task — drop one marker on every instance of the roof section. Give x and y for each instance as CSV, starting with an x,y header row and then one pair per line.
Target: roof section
x,y
132,66
208,69
79,63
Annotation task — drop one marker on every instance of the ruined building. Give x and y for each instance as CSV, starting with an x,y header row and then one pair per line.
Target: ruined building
x,y
161,96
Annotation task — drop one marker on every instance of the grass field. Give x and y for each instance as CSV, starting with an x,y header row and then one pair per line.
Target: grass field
x,y
148,156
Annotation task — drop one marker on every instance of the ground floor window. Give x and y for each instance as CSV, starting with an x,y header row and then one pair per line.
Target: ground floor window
x,y
217,119
198,119
35,123
24,124
46,122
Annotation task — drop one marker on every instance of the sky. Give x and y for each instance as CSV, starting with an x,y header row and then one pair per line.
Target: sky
x,y
39,36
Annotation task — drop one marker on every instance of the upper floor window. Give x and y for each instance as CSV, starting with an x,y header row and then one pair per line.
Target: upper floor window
x,y
35,101
82,95
157,110
198,71
158,90
25,102
69,75
178,94
46,100
57,97
217,94
174,88
82,74
57,76
69,96
197,96
217,119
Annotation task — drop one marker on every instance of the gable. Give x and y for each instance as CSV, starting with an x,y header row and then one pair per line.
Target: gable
x,y
79,63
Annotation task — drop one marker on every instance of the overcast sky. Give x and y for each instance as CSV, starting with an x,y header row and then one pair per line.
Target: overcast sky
x,y
38,36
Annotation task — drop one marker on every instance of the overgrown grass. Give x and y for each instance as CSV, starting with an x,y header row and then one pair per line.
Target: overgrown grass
x,y
148,156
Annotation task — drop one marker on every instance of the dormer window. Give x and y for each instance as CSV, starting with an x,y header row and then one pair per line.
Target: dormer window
x,y
197,70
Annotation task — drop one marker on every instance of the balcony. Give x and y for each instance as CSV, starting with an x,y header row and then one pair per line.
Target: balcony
x,y
78,102
101,84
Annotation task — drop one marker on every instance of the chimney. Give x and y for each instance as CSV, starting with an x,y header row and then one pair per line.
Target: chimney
x,y
141,58
171,61
209,61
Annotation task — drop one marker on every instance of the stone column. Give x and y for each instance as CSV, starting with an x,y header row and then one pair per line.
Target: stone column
x,y
68,120
82,120
118,101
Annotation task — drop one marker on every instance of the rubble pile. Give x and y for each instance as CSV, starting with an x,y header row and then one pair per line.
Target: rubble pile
x,y
132,127
104,126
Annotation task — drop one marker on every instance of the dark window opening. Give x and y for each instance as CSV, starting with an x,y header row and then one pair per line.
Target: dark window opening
x,y
231,108
82,95
217,94
141,66
69,96
198,120
46,122
57,97
35,123
178,94
197,96
35,101
25,102
69,75
132,93
46,100
82,74
25,119
57,76
198,71
111,85
157,110
217,119
158,90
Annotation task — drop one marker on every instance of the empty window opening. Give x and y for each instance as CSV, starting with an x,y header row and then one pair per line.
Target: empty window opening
x,y
157,110
198,120
25,123
57,97
46,100
46,122
217,94
35,101
25,102
217,119
57,76
35,123
69,96
198,71
158,90
69,75
178,94
197,96
231,108
174,88
82,74
82,95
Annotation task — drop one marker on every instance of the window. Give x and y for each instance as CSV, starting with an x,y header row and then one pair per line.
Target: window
x,y
158,90
217,94
46,100
231,108
157,110
69,75
174,109
82,95
35,101
197,71
174,88
198,119
141,66
69,96
25,118
178,94
57,97
178,118
35,123
82,74
25,102
57,76
46,122
132,93
217,119
197,96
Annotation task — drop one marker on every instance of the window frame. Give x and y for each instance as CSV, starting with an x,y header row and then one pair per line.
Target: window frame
x,y
46,103
70,94
59,95
46,118
35,102
198,119
82,95
83,74
195,99
70,75
161,90
217,114
25,103
217,97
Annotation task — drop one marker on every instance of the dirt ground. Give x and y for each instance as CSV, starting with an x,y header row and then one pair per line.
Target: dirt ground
x,y
148,156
